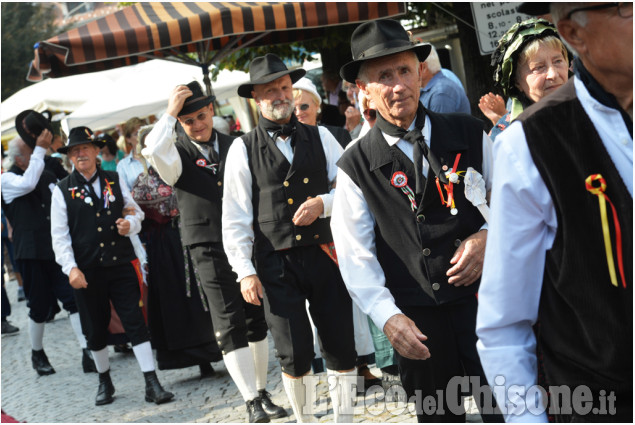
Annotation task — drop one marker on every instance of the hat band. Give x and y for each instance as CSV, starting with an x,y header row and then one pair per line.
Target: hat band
x,y
195,100
387,45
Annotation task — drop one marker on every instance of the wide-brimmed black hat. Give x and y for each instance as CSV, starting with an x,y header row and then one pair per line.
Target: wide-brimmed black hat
x,y
376,39
30,125
265,69
535,8
80,136
197,100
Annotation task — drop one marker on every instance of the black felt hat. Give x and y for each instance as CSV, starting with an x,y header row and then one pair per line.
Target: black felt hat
x,y
80,136
376,39
30,125
197,100
265,69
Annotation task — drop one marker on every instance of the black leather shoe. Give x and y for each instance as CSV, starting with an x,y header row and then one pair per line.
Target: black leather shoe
x,y
207,371
8,328
106,389
41,363
154,390
88,364
257,415
272,410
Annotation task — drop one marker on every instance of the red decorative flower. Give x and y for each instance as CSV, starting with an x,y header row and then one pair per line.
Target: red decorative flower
x,y
201,162
148,196
399,179
164,190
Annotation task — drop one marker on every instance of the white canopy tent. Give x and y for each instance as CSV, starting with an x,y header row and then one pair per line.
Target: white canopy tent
x,y
145,89
57,94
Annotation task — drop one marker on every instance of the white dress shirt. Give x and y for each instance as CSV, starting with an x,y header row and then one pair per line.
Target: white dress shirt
x,y
161,152
238,234
523,226
62,243
15,186
353,226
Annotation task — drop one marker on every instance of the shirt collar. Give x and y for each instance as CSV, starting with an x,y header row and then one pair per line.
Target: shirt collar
x,y
392,140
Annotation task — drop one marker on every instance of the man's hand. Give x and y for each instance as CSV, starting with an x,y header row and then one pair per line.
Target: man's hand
x,y
44,139
123,226
492,106
353,117
468,260
251,288
77,279
406,338
177,99
308,212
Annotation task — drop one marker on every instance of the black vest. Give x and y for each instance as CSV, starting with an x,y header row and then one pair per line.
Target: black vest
x,y
414,248
95,240
200,193
587,323
30,217
279,188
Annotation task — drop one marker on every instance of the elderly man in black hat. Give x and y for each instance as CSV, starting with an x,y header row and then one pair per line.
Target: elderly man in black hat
x,y
572,263
194,164
279,184
410,244
91,243
26,199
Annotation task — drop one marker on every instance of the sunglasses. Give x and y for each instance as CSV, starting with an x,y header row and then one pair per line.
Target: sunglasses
x,y
303,107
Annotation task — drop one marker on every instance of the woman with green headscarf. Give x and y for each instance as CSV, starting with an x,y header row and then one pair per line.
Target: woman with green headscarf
x,y
529,63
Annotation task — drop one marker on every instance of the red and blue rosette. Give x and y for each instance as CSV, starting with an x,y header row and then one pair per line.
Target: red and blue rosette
x,y
201,162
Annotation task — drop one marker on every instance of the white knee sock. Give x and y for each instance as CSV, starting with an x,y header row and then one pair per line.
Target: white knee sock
x,y
143,353
260,351
101,360
240,365
301,402
36,331
342,394
77,328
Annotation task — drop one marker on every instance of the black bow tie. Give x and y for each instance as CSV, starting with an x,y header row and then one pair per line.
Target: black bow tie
x,y
415,137
286,129
89,183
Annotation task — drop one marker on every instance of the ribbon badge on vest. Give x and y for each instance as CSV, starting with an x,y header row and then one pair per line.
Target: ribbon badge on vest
x,y
453,178
108,194
204,164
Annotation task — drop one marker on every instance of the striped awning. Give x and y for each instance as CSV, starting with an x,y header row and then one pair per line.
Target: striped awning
x,y
214,30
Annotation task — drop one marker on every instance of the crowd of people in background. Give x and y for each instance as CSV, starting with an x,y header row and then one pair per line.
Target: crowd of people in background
x,y
352,227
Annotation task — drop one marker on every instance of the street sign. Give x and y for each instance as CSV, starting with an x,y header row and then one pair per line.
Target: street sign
x,y
492,20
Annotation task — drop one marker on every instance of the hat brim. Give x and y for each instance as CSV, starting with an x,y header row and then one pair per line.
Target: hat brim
x,y
26,137
244,90
64,149
195,106
349,71
535,8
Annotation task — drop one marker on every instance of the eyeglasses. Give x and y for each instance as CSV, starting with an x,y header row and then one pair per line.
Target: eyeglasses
x,y
303,107
190,121
625,10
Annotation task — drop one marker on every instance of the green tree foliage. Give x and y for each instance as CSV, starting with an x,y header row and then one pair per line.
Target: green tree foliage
x,y
23,24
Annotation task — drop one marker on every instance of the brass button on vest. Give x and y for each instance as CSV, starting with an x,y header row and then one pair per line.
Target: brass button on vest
x,y
298,237
290,201
436,286
306,180
285,183
426,251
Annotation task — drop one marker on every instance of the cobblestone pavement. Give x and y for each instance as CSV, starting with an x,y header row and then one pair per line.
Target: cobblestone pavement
x,y
69,394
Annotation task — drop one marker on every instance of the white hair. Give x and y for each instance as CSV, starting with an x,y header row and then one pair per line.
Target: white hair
x,y
432,61
13,151
560,10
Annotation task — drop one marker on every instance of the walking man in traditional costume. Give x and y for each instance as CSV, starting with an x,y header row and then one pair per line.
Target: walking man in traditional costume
x,y
279,183
194,165
410,245
91,241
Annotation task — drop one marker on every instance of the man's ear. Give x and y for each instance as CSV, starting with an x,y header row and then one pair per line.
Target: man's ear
x,y
361,85
571,31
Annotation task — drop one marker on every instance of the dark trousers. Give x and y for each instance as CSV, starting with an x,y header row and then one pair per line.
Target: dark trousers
x,y
290,278
236,322
6,305
44,283
120,285
451,332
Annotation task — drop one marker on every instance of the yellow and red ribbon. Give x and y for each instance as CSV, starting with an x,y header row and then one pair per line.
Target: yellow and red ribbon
x,y
599,191
449,188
